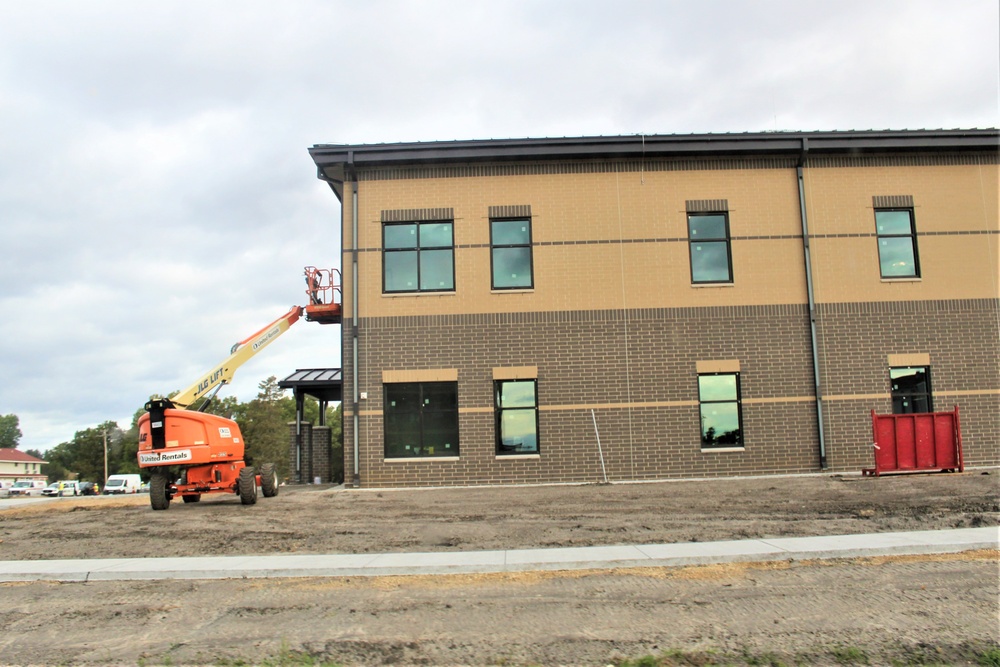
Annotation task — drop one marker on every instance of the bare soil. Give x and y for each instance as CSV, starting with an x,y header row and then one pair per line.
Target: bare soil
x,y
322,520
914,610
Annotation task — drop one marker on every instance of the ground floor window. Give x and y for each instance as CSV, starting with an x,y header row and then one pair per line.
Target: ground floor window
x,y
421,419
516,416
721,413
911,390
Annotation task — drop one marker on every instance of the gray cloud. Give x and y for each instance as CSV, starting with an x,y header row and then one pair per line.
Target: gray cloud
x,y
157,199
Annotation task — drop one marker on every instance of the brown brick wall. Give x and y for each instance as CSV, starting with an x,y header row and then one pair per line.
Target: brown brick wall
x,y
321,451
637,372
963,341
315,454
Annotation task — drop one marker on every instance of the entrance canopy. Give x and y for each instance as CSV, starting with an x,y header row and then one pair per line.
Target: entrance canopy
x,y
326,385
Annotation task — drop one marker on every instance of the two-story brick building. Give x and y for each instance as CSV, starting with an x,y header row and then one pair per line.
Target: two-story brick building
x,y
635,308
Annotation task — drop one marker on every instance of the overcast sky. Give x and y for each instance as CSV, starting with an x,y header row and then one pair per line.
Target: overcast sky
x,y
157,201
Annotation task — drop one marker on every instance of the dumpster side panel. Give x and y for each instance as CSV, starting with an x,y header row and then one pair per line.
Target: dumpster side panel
x,y
885,441
926,453
946,449
906,443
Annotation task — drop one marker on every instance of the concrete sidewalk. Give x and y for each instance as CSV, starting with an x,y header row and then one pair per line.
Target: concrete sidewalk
x,y
517,560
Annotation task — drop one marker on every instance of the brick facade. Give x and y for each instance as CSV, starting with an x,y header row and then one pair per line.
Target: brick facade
x,y
615,330
313,461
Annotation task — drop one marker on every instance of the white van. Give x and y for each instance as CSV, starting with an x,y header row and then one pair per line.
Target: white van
x,y
122,484
27,488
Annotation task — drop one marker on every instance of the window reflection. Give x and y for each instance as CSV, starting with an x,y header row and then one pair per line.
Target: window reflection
x,y
418,257
510,241
897,243
516,417
721,418
911,390
708,236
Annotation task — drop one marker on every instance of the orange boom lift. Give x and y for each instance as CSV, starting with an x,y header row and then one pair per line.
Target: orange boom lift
x,y
190,452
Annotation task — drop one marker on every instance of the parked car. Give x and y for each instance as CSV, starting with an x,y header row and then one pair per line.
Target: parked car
x,y
64,488
27,487
89,489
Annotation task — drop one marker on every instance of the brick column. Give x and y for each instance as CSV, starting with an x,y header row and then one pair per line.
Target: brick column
x,y
321,453
306,455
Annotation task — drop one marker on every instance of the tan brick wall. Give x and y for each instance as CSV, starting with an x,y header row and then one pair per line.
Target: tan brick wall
x,y
956,218
600,240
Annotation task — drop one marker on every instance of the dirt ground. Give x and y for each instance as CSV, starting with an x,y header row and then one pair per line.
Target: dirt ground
x,y
910,610
322,520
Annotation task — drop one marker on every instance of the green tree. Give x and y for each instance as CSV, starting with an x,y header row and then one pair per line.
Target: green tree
x,y
83,456
10,433
264,427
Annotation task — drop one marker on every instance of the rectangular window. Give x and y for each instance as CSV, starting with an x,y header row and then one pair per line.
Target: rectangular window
x,y
418,257
510,241
421,419
721,410
897,243
711,258
516,416
911,390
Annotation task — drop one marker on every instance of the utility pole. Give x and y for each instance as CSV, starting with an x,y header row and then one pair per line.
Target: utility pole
x,y
105,480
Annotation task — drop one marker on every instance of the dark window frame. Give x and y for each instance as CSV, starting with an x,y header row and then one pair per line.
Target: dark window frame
x,y
912,236
728,240
899,398
501,449
418,249
423,443
529,245
738,401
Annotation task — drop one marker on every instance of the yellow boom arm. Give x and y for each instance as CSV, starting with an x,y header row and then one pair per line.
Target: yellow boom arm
x,y
241,352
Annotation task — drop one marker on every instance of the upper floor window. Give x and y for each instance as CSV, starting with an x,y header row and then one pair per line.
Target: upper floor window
x,y
721,410
510,242
911,390
418,256
897,243
711,257
516,416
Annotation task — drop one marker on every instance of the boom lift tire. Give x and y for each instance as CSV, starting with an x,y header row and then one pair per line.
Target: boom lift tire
x,y
268,480
159,496
192,498
247,486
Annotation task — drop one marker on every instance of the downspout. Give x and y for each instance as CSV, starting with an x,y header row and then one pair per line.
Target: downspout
x,y
356,479
812,302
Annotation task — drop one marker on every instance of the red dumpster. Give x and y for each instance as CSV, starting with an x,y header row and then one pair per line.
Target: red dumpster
x,y
916,442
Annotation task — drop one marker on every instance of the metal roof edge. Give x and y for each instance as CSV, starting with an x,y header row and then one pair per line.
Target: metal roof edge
x,y
652,146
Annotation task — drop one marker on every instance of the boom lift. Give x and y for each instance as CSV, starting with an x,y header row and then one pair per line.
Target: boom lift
x,y
208,449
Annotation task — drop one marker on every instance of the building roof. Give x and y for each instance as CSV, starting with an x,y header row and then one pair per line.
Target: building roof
x,y
335,162
10,455
325,384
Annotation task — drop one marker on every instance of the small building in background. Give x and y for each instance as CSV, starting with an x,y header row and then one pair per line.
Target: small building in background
x,y
15,466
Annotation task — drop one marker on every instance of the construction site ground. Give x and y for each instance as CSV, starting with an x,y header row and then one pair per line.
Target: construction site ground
x,y
894,610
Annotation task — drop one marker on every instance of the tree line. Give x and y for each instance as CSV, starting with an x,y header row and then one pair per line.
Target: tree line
x,y
263,422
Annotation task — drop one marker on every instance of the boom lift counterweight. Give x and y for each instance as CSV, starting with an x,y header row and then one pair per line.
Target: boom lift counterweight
x,y
207,449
